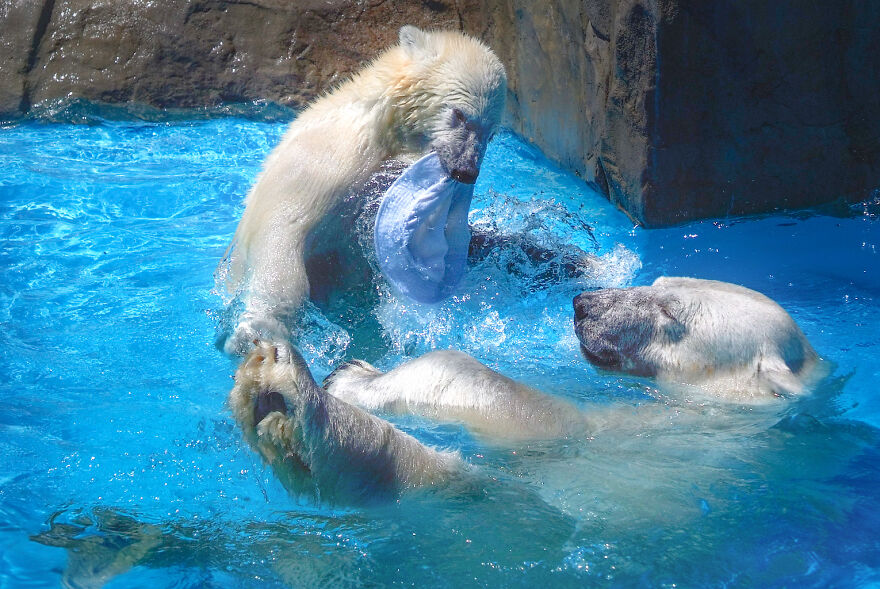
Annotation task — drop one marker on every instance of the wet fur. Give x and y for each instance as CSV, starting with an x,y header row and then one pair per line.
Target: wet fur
x,y
440,91
727,340
322,446
452,386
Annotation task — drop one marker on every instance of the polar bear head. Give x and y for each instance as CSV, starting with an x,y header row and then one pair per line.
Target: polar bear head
x,y
730,340
448,91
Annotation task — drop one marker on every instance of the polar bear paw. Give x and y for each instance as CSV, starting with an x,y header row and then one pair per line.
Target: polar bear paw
x,y
266,366
253,328
260,383
260,370
353,372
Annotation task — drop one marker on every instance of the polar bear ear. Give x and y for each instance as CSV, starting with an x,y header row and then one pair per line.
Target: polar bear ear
x,y
413,40
776,374
671,311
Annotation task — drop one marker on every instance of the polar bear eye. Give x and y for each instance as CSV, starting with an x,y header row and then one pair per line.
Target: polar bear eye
x,y
459,116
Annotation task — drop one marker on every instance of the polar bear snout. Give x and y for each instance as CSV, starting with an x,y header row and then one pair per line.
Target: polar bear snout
x,y
460,144
597,346
461,158
266,402
465,176
615,325
583,306
593,306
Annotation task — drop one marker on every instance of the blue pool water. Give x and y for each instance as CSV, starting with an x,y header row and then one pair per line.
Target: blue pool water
x,y
120,465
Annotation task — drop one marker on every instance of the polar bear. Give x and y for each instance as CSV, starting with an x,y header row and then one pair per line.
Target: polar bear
x,y
435,91
319,442
728,340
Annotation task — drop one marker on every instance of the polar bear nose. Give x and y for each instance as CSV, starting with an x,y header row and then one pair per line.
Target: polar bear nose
x,y
579,312
465,176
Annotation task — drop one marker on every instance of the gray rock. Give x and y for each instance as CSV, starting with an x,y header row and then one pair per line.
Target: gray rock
x,y
582,75
688,109
763,106
19,21
193,53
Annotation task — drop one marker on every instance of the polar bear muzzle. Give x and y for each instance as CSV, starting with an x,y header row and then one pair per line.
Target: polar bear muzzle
x,y
615,325
461,146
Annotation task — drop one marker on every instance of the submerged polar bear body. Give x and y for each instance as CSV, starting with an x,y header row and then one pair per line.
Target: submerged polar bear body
x,y
733,342
434,91
323,442
726,340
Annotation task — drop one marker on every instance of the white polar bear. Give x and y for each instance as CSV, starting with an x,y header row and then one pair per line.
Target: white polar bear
x,y
434,91
728,340
318,443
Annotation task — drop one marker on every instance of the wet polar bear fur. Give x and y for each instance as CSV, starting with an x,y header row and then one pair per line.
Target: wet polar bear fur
x,y
436,91
727,340
452,386
320,443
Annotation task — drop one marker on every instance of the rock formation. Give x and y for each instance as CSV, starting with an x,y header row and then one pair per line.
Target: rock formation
x,y
676,109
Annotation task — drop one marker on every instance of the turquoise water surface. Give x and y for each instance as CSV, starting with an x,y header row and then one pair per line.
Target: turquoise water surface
x,y
120,465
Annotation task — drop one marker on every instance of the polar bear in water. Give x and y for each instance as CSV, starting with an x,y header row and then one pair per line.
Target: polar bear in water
x,y
318,442
736,343
730,341
439,91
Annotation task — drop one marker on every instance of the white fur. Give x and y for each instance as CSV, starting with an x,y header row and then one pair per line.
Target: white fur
x,y
727,340
450,385
322,445
739,342
399,105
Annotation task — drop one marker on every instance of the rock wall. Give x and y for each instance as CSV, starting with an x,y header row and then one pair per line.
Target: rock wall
x,y
582,79
676,109
688,109
763,105
191,53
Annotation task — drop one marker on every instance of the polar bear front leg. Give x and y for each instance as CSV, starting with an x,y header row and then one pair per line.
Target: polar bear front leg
x,y
278,287
258,322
